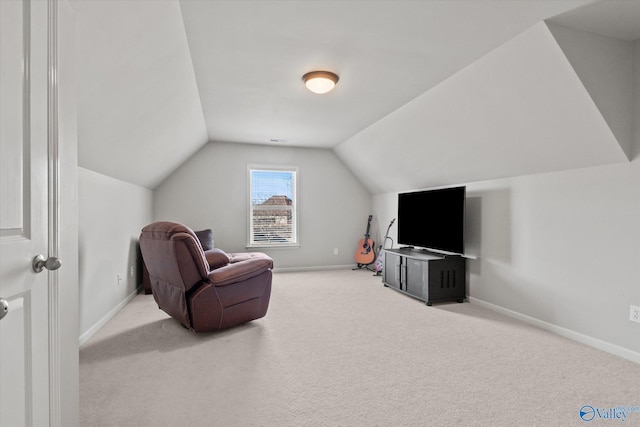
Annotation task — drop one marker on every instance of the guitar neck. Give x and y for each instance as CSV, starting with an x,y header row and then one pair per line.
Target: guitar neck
x,y
366,233
389,228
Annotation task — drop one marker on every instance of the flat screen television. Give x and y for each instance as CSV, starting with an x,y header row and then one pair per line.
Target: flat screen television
x,y
432,219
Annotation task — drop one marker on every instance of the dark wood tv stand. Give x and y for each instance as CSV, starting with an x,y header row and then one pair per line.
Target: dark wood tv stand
x,y
427,276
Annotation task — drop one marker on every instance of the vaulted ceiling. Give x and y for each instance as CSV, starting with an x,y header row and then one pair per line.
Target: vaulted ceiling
x,y
430,92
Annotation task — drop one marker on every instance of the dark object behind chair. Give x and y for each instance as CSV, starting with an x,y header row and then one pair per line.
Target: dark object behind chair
x,y
204,290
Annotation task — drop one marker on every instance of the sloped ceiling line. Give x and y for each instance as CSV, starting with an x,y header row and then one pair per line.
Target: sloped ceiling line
x,y
139,111
142,112
605,68
519,110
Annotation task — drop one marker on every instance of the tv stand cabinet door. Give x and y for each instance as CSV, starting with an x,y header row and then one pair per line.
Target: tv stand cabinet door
x,y
447,279
391,274
416,277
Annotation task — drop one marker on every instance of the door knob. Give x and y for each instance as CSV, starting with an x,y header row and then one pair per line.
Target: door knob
x,y
51,263
4,307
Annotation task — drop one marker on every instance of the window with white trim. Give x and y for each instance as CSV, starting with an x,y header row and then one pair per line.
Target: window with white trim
x,y
272,206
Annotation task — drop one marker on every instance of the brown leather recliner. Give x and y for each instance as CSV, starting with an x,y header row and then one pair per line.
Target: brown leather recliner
x,y
204,290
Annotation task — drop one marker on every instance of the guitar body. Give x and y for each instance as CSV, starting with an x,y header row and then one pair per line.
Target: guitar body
x,y
365,254
380,261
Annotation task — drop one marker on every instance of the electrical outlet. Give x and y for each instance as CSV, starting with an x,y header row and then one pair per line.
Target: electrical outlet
x,y
119,280
634,313
335,251
131,271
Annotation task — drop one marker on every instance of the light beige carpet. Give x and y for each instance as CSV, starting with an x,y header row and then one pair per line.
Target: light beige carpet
x,y
338,349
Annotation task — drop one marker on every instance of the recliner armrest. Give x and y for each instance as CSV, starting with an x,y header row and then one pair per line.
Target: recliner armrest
x,y
216,258
244,256
241,268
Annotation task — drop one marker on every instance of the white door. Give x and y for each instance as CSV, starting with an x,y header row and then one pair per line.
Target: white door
x,y
25,133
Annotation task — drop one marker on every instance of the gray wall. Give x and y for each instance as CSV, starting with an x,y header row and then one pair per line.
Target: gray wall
x,y
111,214
210,190
636,102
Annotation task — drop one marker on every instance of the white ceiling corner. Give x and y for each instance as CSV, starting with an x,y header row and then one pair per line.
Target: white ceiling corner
x,y
249,58
605,67
617,19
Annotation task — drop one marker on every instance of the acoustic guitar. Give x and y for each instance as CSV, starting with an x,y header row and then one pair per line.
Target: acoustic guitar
x,y
365,254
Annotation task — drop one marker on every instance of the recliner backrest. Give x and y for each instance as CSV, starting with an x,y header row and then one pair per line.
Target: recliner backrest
x,y
173,253
175,260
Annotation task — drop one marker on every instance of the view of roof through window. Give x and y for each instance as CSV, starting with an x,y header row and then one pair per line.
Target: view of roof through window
x,y
268,183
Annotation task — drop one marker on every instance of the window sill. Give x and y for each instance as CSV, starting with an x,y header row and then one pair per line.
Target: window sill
x,y
273,246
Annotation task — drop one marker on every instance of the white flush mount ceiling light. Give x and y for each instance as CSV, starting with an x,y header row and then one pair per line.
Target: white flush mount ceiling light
x,y
320,81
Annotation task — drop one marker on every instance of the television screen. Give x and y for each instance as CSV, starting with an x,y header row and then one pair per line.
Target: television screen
x,y
432,219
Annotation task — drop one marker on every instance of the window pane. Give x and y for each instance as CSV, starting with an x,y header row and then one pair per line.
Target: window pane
x,y
272,207
268,184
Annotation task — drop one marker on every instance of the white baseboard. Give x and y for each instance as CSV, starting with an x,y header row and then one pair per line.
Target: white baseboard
x,y
322,267
564,332
103,321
